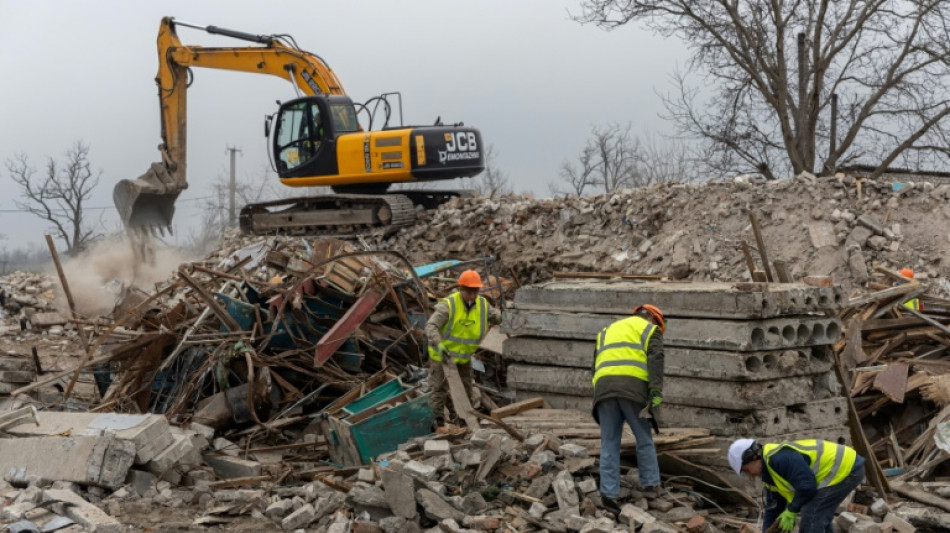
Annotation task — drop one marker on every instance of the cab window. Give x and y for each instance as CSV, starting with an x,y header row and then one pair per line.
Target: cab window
x,y
344,118
298,134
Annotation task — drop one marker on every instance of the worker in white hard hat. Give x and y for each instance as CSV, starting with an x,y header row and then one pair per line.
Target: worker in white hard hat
x,y
803,477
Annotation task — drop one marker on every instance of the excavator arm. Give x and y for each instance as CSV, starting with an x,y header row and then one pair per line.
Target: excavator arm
x,y
149,201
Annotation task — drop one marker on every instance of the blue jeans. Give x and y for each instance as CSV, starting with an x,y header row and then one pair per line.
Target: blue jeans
x,y
818,513
612,413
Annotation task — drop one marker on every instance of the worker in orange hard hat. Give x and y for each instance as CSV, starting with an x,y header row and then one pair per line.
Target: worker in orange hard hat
x,y
913,303
628,387
458,323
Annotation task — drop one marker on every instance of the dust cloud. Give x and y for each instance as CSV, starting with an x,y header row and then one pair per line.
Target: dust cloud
x,y
100,276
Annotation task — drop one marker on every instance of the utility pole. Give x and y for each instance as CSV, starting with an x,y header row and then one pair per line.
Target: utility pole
x,y
232,188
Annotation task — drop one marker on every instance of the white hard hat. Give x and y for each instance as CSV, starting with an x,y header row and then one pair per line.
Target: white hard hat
x,y
736,450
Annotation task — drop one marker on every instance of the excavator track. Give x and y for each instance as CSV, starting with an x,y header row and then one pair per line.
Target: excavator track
x,y
328,214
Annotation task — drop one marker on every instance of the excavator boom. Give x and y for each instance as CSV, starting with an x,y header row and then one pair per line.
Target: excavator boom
x,y
317,141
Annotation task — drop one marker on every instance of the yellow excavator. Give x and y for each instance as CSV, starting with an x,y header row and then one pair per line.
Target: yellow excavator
x,y
316,140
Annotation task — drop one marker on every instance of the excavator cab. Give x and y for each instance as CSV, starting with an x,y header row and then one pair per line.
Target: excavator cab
x,y
305,133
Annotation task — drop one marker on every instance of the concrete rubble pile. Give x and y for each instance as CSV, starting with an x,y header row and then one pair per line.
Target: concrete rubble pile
x,y
485,481
742,359
29,317
837,226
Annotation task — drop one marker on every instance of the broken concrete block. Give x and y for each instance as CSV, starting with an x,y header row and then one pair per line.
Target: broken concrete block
x,y
420,471
399,491
587,485
102,461
574,522
367,496
660,505
436,507
879,508
539,486
83,512
433,448
171,456
572,450
565,490
846,520
473,503
601,525
366,475
467,457
537,510
639,517
279,509
226,447
227,467
141,481
48,320
898,524
149,434
302,517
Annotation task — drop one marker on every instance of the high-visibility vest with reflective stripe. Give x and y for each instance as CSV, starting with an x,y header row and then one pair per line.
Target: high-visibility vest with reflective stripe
x,y
622,349
913,304
463,330
830,463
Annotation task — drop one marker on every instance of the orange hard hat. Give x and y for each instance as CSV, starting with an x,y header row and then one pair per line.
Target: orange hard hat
x,y
470,279
907,273
655,311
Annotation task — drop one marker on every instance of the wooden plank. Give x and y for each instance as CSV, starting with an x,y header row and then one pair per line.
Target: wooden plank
x,y
508,429
460,400
518,407
749,262
781,271
760,242
606,275
921,496
492,341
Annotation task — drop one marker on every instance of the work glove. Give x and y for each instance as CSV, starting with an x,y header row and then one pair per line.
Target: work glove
x,y
786,520
444,354
656,397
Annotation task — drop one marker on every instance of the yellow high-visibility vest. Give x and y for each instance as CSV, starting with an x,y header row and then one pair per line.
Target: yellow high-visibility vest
x,y
463,330
830,463
622,349
913,303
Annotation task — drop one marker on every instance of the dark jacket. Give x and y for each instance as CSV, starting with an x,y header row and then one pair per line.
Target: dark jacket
x,y
629,387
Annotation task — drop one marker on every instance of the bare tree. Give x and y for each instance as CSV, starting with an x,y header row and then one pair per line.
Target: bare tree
x,y
59,196
578,177
774,68
664,160
492,181
616,152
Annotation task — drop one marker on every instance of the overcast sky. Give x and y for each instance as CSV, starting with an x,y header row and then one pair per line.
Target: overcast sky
x,y
532,80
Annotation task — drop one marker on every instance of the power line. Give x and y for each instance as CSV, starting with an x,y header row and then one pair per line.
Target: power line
x,y
102,208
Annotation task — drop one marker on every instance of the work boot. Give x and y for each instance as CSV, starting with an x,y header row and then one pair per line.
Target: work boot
x,y
611,505
652,493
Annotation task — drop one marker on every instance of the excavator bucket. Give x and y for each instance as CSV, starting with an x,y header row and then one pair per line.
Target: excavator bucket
x,y
147,203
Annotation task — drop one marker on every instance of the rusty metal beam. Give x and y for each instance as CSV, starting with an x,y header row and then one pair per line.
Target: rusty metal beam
x,y
347,324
